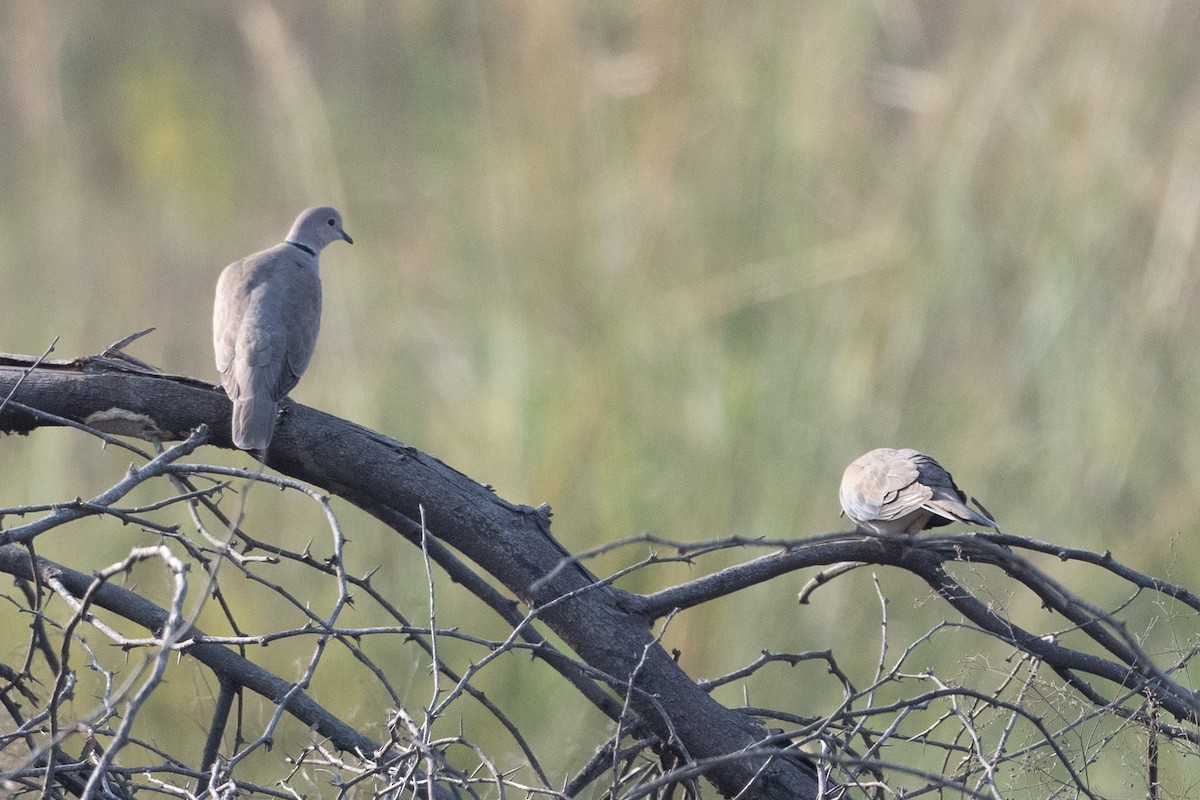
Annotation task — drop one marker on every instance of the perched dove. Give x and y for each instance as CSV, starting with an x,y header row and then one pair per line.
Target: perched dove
x,y
902,491
265,321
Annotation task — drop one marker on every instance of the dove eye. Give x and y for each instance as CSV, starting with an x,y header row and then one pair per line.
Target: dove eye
x,y
330,221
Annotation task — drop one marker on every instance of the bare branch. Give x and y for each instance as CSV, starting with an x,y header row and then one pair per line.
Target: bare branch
x,y
893,725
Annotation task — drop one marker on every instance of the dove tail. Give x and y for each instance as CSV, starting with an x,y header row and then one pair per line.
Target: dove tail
x,y
947,511
964,513
983,519
253,422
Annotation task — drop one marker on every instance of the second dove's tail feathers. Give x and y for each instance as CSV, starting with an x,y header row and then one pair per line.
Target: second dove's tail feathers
x,y
959,511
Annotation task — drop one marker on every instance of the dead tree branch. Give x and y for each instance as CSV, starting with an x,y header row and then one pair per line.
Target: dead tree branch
x,y
992,728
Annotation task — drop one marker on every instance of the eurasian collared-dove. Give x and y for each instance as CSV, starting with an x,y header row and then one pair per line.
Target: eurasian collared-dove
x,y
265,321
902,491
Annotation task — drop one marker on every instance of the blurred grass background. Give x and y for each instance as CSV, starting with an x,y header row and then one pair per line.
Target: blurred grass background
x,y
667,266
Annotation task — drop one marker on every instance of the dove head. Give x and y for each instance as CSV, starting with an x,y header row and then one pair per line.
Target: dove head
x,y
317,227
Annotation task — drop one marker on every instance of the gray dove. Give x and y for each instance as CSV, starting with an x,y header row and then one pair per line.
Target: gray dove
x,y
265,321
902,491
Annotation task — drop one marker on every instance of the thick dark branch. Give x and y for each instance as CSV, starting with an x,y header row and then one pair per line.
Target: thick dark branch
x,y
394,483
925,556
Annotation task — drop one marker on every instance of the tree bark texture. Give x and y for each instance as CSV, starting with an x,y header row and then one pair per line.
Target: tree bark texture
x,y
605,626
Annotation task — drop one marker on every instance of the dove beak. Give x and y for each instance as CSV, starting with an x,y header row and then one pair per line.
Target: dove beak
x,y
346,236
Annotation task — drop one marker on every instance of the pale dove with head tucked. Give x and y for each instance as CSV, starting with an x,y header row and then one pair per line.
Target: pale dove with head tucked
x,y
265,321
902,491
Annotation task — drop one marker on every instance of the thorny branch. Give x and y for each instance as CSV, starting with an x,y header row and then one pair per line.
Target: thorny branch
x,y
80,721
